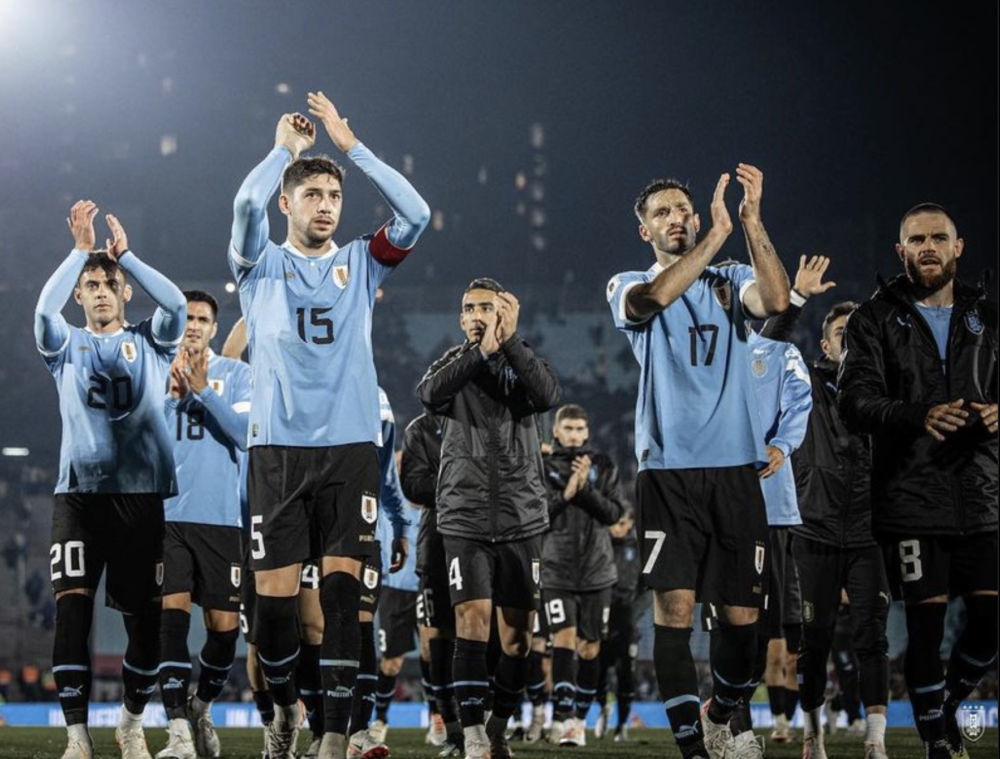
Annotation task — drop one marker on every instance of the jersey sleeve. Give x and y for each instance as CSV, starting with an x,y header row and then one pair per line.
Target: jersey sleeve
x,y
250,231
742,278
618,289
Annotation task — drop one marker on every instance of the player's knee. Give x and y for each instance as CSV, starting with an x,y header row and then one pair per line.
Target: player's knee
x,y
739,616
674,609
516,645
143,639
87,592
391,667
221,621
588,649
565,638
472,620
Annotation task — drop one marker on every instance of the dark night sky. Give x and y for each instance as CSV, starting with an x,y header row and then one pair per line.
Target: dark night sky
x,y
855,112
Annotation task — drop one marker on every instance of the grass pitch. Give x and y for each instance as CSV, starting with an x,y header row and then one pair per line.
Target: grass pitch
x,y
48,743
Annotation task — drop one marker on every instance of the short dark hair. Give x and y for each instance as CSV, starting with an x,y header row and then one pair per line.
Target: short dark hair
x,y
845,308
200,296
485,283
659,185
571,411
926,208
99,259
299,170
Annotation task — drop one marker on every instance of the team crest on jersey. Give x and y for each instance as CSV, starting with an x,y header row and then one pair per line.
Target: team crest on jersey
x,y
234,575
723,293
758,558
369,508
758,367
536,571
974,323
129,351
371,578
341,275
217,386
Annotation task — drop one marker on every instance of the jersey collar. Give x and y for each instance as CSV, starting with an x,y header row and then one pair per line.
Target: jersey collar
x,y
103,334
656,268
296,252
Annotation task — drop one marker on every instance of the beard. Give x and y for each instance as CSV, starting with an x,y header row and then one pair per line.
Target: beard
x,y
928,284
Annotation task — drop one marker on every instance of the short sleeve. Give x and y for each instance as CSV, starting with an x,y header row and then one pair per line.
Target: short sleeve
x,y
618,288
741,276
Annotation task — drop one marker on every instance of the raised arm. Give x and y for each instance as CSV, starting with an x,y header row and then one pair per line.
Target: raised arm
x,y
537,378
603,501
411,213
808,282
233,420
51,331
294,134
647,299
769,295
171,313
236,341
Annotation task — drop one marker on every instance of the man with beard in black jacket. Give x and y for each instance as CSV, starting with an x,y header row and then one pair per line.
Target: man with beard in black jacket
x,y
491,501
578,568
919,374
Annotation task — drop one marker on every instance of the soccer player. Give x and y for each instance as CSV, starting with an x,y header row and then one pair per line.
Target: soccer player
x,y
491,503
919,374
619,650
578,568
115,466
207,411
314,420
418,473
699,441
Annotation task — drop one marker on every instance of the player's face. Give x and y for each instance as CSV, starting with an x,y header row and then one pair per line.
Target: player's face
x,y
571,433
929,247
201,326
670,223
479,313
103,298
833,344
313,210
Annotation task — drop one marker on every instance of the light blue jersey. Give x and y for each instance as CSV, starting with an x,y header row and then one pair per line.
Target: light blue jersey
x,y
938,318
309,318
784,400
209,431
695,407
112,386
392,522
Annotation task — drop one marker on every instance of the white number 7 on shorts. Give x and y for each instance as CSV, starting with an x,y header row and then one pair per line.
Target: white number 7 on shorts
x,y
659,536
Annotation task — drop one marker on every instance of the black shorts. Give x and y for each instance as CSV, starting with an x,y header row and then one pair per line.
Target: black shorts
x,y
540,628
507,573
205,561
588,612
435,601
704,530
307,502
371,581
248,600
123,532
397,622
928,566
784,601
624,632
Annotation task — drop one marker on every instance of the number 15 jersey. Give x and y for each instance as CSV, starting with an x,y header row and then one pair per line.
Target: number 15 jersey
x,y
695,407
309,323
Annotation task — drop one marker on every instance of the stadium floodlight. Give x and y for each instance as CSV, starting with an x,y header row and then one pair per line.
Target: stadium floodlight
x,y
15,451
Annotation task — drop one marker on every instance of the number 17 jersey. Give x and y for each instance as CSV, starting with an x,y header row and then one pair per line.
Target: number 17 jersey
x,y
695,407
309,322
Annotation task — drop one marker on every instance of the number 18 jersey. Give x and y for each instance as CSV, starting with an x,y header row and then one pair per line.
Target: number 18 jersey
x,y
111,393
695,407
309,322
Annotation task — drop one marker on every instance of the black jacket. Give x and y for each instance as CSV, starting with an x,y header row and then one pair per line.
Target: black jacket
x,y
627,565
890,377
577,554
490,483
832,466
832,471
418,473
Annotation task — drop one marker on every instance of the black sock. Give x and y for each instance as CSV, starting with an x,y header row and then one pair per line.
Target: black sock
x,y
471,680
974,652
508,685
265,706
775,699
385,690
791,703
625,671
924,672
141,665
366,690
678,680
442,660
307,681
175,662
741,720
277,635
563,684
816,643
425,685
732,668
216,660
587,673
71,655
536,678
340,596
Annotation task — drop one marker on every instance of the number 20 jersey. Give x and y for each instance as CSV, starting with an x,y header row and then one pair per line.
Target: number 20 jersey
x,y
695,407
309,323
111,393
